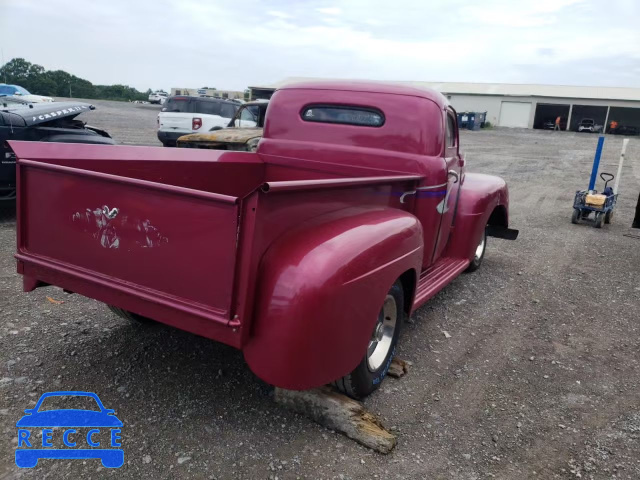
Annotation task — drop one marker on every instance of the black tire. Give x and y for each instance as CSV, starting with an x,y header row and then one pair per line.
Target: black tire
x,y
575,216
364,380
476,261
608,217
7,211
127,315
599,220
8,196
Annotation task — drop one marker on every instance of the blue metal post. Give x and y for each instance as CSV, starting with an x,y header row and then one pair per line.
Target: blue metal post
x,y
596,163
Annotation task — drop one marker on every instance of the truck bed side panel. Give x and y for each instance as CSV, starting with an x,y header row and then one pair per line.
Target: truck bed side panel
x,y
174,244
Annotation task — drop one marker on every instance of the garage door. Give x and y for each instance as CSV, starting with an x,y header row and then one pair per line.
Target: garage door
x,y
515,114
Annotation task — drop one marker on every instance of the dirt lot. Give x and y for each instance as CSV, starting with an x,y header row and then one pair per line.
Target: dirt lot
x,y
540,378
128,123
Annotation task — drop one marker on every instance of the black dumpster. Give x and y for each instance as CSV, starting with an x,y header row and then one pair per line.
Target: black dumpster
x,y
463,120
471,120
476,120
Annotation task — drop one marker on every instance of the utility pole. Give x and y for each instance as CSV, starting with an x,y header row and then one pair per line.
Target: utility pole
x,y
70,89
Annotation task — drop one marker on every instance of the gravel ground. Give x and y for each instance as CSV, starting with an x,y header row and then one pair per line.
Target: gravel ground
x,y
127,123
539,378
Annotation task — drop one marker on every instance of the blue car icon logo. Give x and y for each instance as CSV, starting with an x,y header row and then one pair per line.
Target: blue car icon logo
x,y
69,433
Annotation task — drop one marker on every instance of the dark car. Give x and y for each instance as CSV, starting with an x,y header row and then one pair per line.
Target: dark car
x,y
628,130
40,122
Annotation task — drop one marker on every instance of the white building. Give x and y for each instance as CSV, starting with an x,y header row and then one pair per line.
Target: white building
x,y
528,106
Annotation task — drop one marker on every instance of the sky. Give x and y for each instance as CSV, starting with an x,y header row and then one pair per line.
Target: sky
x,y
234,44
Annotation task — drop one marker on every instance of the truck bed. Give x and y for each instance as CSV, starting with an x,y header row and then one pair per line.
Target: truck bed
x,y
172,234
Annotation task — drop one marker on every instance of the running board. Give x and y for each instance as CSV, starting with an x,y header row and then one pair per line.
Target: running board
x,y
437,277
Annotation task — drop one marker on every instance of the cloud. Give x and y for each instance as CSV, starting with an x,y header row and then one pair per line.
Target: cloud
x,y
329,10
278,14
236,43
546,52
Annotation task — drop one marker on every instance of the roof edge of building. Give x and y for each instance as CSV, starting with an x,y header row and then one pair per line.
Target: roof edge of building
x,y
495,89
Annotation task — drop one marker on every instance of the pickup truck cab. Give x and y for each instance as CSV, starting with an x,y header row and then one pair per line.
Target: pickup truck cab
x,y
182,115
307,255
242,134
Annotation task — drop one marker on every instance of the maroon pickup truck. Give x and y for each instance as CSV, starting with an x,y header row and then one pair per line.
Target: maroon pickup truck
x,y
307,254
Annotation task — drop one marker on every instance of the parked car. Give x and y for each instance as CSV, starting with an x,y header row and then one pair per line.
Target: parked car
x,y
627,130
158,97
16,90
589,125
307,254
14,103
182,115
40,122
242,133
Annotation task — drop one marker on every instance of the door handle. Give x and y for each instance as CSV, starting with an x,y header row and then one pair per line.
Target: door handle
x,y
453,173
420,189
411,192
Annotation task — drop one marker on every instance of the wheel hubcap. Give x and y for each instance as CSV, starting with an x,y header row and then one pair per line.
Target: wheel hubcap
x,y
382,335
479,249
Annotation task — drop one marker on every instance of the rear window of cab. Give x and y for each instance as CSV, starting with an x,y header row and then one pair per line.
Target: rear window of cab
x,y
343,114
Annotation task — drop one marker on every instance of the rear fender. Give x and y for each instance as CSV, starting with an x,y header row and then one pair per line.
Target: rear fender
x,y
320,289
484,199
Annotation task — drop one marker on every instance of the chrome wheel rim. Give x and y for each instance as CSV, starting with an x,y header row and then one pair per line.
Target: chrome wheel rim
x,y
480,249
382,336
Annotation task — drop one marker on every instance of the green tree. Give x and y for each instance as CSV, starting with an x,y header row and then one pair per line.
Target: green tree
x,y
59,83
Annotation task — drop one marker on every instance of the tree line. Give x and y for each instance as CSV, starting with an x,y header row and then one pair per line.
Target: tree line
x,y
58,83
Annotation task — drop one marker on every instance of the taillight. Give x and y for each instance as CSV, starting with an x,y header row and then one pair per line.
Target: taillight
x,y
196,123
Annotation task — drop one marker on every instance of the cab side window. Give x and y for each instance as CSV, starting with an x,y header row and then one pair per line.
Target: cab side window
x,y
451,131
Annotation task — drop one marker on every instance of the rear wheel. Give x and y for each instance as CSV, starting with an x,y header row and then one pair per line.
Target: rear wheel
x,y
575,216
599,220
608,217
7,196
127,315
373,367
